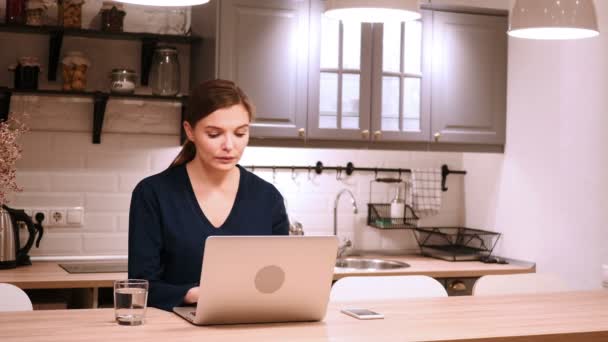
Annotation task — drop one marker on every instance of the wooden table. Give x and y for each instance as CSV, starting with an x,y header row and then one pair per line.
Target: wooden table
x,y
567,316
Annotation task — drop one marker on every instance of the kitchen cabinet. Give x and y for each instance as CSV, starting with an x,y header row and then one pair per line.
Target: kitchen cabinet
x,y
469,78
453,91
348,96
262,46
482,4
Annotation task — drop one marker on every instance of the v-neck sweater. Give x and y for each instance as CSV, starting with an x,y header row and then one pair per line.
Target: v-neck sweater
x,y
168,229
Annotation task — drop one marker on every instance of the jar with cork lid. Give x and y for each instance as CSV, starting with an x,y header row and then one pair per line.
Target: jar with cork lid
x,y
34,12
74,71
70,13
112,16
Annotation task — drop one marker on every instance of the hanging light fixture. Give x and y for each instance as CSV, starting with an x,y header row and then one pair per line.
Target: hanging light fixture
x,y
167,3
553,19
372,11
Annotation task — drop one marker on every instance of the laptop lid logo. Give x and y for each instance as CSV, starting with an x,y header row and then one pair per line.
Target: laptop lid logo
x,y
269,279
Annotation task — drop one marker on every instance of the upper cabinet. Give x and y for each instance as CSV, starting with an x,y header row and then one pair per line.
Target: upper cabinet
x,y
469,78
369,82
261,45
478,4
325,81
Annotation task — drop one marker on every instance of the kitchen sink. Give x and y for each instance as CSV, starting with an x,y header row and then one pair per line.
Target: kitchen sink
x,y
369,264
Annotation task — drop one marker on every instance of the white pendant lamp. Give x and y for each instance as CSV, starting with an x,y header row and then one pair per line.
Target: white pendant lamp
x,y
372,11
553,19
165,3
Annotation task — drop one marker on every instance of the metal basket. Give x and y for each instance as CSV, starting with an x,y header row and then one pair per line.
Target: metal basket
x,y
456,243
379,216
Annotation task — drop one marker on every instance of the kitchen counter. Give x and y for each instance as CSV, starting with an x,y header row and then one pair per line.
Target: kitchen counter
x,y
566,316
420,265
49,275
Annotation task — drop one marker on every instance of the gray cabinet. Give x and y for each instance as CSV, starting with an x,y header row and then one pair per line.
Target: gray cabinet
x,y
259,45
469,78
419,97
334,123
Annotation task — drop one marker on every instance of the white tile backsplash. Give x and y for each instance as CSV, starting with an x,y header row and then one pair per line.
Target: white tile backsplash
x,y
83,182
63,168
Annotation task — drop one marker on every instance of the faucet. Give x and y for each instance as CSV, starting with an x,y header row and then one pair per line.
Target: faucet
x,y
347,243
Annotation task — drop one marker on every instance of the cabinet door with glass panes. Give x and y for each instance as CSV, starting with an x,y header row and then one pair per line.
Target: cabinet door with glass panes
x,y
401,82
355,93
339,78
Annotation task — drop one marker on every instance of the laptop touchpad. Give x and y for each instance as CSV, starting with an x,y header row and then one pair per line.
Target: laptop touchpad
x,y
269,279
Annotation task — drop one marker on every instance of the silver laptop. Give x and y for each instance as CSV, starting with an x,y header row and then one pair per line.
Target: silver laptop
x,y
263,279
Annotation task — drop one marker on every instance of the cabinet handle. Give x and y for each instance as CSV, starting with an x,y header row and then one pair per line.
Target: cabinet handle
x,y
458,285
437,136
365,134
377,134
301,132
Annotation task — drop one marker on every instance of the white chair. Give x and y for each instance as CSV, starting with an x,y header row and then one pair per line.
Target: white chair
x,y
13,298
519,284
351,289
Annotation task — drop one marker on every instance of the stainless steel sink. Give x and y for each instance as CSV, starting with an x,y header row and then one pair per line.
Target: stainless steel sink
x,y
369,264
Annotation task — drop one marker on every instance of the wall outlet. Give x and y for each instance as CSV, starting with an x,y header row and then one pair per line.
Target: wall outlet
x,y
57,217
43,211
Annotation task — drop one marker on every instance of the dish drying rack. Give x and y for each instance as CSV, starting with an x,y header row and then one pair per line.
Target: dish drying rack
x,y
456,243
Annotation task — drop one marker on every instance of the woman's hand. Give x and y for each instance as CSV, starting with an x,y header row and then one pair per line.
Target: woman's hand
x,y
191,296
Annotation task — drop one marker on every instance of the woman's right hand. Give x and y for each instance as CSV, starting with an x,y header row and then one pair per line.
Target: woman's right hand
x,y
191,296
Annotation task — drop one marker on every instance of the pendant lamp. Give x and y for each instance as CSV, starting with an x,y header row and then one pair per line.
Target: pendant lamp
x,y
553,19
372,11
165,3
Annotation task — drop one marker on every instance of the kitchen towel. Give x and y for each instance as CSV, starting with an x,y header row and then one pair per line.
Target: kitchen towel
x,y
426,191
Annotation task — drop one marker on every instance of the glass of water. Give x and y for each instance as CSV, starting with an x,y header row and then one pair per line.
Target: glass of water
x,y
130,299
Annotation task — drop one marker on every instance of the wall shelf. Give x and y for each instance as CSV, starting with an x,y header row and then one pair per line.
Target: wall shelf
x,y
100,100
148,41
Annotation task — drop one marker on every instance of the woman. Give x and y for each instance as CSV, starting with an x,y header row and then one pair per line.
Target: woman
x,y
204,192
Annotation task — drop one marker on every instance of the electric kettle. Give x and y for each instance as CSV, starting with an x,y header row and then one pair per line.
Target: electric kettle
x,y
11,253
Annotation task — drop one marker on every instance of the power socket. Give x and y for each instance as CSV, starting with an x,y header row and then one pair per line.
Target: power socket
x,y
45,212
57,217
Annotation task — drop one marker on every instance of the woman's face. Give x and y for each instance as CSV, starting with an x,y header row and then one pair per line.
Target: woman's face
x,y
221,137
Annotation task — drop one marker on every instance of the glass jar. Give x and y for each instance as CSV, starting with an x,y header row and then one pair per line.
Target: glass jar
x,y
74,71
123,81
112,16
26,73
15,11
70,13
34,12
165,72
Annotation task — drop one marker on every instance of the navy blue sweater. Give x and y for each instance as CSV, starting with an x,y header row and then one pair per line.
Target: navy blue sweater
x,y
168,229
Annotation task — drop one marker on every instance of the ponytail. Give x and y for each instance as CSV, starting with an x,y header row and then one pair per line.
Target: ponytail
x,y
187,153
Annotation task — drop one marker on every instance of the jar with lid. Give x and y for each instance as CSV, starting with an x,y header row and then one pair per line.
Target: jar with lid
x,y
34,12
74,71
15,12
26,73
112,16
123,81
165,72
70,13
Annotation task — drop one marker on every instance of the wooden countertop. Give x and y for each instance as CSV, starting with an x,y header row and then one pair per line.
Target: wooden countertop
x,y
567,316
46,275
420,265
49,275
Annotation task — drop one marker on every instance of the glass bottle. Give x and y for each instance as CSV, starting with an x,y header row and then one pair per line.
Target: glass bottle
x,y
397,208
15,11
165,72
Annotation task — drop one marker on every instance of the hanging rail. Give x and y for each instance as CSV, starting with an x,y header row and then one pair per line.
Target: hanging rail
x,y
350,168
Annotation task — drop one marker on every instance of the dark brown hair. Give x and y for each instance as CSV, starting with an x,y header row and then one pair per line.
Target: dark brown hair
x,y
205,99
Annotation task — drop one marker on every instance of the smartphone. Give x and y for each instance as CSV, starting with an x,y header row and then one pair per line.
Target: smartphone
x,y
362,313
